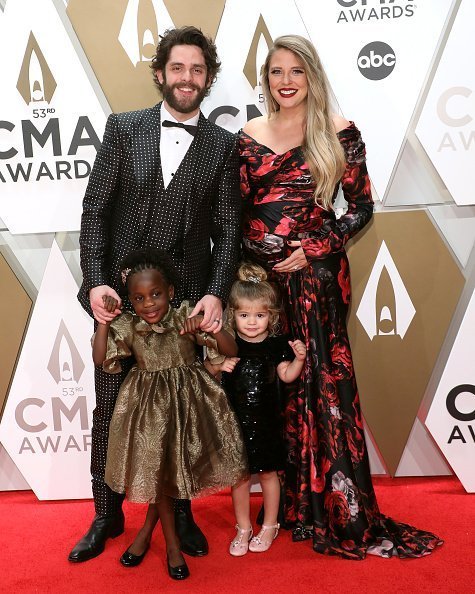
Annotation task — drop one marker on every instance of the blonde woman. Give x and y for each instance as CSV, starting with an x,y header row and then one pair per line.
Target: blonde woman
x,y
292,163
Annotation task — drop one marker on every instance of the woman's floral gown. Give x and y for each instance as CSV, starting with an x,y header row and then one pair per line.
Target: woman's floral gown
x,y
328,489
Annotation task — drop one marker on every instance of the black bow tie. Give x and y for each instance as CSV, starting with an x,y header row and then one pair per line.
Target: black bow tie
x,y
191,129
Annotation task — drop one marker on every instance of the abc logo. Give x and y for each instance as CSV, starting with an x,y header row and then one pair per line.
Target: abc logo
x,y
376,60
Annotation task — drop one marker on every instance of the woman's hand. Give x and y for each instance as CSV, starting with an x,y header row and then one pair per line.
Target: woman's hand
x,y
296,260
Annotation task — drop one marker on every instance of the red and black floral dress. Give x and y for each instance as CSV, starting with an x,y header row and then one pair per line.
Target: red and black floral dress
x,y
328,489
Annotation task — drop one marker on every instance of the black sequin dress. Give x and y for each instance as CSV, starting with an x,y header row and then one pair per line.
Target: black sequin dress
x,y
254,394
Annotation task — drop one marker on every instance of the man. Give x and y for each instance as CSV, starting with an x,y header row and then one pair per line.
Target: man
x,y
164,177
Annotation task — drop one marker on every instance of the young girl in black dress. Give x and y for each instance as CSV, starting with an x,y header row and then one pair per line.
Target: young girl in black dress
x,y
250,382
173,434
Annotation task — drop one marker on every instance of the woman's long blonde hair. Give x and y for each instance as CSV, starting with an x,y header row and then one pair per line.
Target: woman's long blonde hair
x,y
321,147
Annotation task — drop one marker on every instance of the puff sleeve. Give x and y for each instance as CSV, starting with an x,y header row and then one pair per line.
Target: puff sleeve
x,y
356,186
119,343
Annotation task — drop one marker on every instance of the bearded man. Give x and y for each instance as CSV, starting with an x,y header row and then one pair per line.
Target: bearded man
x,y
164,177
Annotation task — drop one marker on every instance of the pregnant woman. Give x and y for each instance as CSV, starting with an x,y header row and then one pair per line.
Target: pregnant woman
x,y
292,163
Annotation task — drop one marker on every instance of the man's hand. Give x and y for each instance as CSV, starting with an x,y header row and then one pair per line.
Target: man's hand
x,y
98,297
212,310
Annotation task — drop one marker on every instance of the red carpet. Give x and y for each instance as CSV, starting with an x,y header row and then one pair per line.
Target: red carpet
x,y
37,536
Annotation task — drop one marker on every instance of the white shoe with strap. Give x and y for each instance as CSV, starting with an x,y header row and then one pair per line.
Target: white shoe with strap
x,y
240,544
262,542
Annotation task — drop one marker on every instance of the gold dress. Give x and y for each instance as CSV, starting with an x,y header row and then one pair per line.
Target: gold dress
x,y
173,431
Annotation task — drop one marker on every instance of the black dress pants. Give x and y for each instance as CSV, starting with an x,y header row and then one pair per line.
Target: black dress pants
x,y
106,501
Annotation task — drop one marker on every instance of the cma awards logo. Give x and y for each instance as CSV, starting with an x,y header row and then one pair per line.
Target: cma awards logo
x,y
358,11
65,363
460,403
35,81
36,415
37,85
385,308
455,109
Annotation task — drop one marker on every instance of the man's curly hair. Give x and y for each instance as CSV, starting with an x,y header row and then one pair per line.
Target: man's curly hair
x,y
186,36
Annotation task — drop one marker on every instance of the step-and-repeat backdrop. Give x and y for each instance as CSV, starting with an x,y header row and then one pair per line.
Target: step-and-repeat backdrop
x,y
400,69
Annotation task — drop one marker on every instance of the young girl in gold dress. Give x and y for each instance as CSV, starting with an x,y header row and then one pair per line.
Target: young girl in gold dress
x,y
173,434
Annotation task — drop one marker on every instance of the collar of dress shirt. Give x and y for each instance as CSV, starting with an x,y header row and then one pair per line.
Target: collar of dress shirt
x,y
166,115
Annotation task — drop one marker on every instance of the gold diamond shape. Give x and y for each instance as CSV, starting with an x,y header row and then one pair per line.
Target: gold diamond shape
x,y
393,369
15,306
35,81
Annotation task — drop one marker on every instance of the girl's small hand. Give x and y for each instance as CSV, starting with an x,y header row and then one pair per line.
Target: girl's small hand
x,y
191,325
300,351
229,364
296,261
110,303
96,296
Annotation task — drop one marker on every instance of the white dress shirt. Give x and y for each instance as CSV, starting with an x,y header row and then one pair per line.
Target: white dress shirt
x,y
174,142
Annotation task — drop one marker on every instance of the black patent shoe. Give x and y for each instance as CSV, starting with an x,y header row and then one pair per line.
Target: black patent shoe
x,y
192,540
178,573
130,560
93,542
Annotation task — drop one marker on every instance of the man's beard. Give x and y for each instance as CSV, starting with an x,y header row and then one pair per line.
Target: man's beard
x,y
184,105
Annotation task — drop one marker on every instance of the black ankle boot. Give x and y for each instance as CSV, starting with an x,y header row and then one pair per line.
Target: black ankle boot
x,y
93,542
192,541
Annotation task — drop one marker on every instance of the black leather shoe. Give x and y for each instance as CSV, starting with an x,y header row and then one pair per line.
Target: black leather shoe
x,y
131,560
178,573
93,542
192,541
